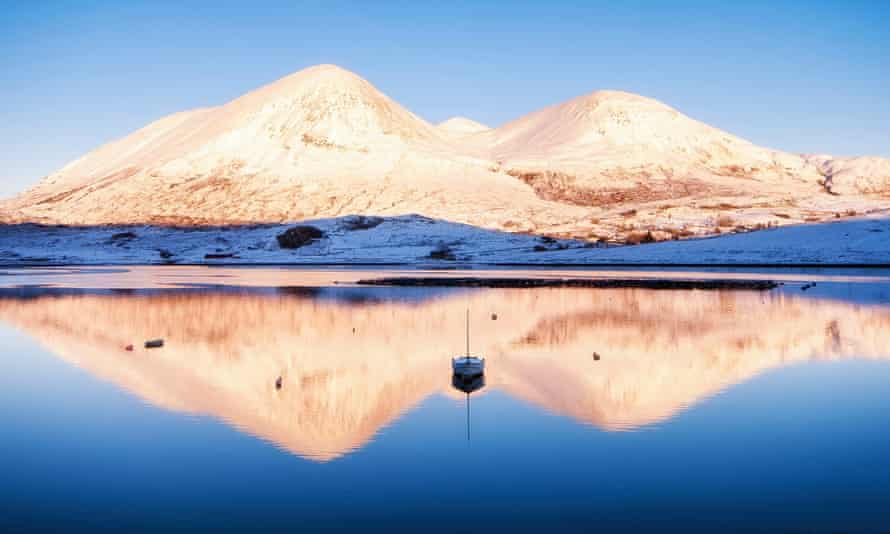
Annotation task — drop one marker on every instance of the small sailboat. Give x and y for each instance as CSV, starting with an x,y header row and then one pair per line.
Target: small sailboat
x,y
468,367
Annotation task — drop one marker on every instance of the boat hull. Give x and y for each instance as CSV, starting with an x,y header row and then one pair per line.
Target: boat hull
x,y
468,366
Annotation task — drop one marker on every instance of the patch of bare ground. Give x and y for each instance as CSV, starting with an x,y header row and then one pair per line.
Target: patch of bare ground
x,y
59,197
725,220
638,238
721,206
561,187
361,222
737,171
101,183
322,142
680,233
184,221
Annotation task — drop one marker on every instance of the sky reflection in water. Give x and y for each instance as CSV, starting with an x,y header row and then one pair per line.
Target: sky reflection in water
x,y
707,409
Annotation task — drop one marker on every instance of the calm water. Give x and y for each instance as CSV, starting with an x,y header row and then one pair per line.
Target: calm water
x,y
706,410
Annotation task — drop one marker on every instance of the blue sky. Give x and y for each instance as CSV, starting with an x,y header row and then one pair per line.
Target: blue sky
x,y
800,76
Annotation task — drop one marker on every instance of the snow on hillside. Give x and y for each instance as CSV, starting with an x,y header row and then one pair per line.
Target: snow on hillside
x,y
323,143
319,143
854,175
419,240
462,126
611,145
862,241
409,239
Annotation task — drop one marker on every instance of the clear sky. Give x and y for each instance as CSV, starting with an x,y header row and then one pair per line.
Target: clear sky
x,y
805,76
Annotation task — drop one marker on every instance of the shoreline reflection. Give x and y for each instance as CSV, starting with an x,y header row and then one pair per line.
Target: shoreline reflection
x,y
319,377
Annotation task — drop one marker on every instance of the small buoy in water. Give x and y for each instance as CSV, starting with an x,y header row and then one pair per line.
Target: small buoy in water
x,y
154,343
596,356
278,383
494,317
129,348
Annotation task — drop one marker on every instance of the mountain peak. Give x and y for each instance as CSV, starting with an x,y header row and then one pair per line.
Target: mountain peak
x,y
617,125
325,78
611,100
329,68
326,106
462,125
326,73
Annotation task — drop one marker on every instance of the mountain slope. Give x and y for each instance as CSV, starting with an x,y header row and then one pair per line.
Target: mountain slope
x,y
855,175
323,142
610,144
319,106
624,129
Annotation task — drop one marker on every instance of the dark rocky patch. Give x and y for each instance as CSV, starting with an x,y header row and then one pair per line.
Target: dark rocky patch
x,y
598,283
299,236
442,252
550,243
361,222
636,238
120,236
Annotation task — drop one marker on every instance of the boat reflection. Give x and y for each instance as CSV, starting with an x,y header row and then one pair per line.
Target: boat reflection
x,y
319,377
467,384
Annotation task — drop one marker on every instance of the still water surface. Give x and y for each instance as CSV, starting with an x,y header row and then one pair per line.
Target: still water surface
x,y
706,410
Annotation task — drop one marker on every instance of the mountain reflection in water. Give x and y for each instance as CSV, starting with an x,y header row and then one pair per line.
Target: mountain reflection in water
x,y
350,367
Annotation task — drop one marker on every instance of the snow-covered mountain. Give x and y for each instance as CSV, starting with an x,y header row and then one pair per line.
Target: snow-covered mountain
x,y
608,131
324,142
321,142
462,126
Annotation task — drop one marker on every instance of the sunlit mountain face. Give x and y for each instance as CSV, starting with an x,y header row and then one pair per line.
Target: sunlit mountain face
x,y
324,142
351,362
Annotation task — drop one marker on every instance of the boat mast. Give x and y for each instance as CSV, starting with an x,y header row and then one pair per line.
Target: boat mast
x,y
468,332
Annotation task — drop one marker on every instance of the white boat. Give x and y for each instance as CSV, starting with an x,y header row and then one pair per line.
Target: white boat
x,y
468,366
468,374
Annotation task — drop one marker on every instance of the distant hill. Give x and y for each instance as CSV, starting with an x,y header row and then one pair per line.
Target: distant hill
x,y
462,125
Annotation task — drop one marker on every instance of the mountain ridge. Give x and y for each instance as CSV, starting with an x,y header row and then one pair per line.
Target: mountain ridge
x,y
325,142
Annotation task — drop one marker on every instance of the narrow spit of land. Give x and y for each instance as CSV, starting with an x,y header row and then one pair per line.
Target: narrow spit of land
x,y
631,283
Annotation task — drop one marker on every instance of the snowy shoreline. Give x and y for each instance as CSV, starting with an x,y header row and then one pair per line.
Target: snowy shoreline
x,y
422,242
